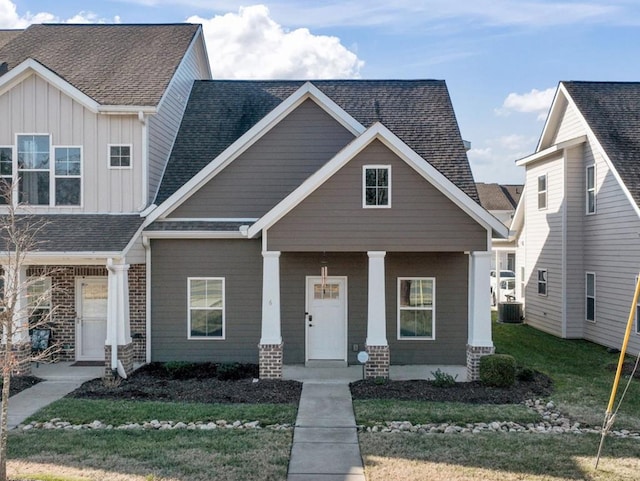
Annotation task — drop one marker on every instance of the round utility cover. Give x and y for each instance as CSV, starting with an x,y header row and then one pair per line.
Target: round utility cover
x,y
363,357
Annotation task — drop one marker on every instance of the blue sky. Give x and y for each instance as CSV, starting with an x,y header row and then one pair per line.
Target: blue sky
x,y
501,59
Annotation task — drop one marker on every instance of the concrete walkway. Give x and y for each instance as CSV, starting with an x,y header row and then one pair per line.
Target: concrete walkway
x,y
325,440
58,380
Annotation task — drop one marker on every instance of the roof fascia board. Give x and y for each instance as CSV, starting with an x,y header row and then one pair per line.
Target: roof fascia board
x,y
22,71
193,234
379,132
549,151
518,217
248,139
127,109
61,258
553,115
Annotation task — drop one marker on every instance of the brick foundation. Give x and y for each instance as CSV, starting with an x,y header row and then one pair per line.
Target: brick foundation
x,y
21,359
270,361
125,355
474,353
378,363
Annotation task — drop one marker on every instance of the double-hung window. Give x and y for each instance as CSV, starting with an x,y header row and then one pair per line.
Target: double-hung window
x,y
6,173
591,189
416,307
376,186
40,180
637,307
39,301
542,282
590,296
206,308
542,191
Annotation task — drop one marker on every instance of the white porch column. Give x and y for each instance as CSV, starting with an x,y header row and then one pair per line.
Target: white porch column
x,y
480,341
18,284
376,343
118,322
271,336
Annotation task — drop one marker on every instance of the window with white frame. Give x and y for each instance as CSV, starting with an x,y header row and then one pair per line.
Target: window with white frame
x,y
6,172
119,156
590,296
39,301
42,182
591,189
206,307
542,191
637,307
416,307
376,186
542,282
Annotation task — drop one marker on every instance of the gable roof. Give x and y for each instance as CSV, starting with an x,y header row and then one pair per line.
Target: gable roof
x,y
219,112
612,111
113,64
379,132
7,35
499,197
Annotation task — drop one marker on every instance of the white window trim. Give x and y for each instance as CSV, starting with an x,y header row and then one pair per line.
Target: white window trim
x,y
55,176
432,309
45,304
364,186
588,190
116,167
637,329
13,150
587,296
224,308
545,192
546,282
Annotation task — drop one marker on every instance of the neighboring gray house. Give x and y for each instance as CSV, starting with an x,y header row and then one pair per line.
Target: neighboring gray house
x,y
302,222
578,222
89,115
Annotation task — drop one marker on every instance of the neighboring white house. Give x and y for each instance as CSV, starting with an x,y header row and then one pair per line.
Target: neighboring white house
x,y
501,201
578,222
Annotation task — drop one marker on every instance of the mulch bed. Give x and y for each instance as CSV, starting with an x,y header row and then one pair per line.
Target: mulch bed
x,y
627,369
468,392
20,383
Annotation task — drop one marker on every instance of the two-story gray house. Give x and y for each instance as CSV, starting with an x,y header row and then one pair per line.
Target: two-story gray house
x,y
299,223
89,115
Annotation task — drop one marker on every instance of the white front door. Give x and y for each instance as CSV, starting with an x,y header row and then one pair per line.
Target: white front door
x,y
326,319
91,322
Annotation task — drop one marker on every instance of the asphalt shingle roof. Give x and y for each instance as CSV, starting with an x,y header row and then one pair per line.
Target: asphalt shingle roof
x,y
499,197
113,64
7,35
79,232
418,111
612,110
210,226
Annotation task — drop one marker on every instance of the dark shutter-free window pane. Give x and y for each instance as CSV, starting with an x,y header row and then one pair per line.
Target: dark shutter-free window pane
x,y
67,191
33,188
591,308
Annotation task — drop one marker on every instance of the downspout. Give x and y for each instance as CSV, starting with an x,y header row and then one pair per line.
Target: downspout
x,y
145,160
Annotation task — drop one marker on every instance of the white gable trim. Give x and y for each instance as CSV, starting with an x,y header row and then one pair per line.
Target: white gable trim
x,y
391,141
249,138
548,152
29,67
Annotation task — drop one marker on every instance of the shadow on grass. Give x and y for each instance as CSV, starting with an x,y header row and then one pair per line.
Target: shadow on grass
x,y
504,457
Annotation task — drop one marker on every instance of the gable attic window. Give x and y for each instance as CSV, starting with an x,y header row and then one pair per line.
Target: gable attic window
x,y
591,189
376,186
119,156
542,191
42,182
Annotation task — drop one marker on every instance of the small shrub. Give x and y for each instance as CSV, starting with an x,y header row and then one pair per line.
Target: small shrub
x,y
179,369
525,374
443,379
498,370
235,371
380,380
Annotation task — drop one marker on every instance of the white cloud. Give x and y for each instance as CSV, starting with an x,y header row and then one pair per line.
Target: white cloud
x,y
494,160
536,101
250,44
9,17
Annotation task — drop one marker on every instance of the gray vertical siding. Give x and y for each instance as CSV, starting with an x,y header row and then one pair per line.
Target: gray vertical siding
x,y
172,262
421,218
272,168
163,126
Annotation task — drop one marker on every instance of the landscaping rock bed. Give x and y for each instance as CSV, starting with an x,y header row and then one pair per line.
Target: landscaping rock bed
x,y
202,383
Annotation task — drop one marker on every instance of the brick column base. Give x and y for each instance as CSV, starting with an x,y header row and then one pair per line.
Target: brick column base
x,y
378,363
474,353
125,355
21,359
270,361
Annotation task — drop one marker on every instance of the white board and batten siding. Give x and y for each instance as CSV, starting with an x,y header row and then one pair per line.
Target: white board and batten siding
x,y
164,125
543,243
35,106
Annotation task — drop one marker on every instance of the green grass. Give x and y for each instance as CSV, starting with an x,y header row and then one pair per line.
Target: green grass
x,y
82,411
497,457
579,369
370,412
144,455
